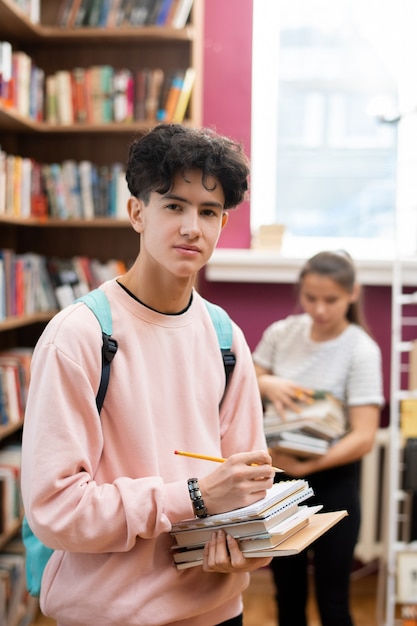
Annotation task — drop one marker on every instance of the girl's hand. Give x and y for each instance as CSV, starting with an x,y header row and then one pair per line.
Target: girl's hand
x,y
283,393
292,465
222,554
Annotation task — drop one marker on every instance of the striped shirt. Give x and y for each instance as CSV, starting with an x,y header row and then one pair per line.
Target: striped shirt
x,y
348,366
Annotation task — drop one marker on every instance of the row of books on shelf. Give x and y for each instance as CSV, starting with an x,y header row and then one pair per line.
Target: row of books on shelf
x,y
309,432
277,525
102,94
67,190
124,13
11,507
99,94
21,83
17,608
31,283
14,380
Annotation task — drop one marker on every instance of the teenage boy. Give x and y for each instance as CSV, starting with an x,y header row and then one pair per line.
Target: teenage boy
x,y
103,491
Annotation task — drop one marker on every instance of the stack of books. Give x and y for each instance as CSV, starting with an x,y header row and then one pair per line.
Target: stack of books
x,y
309,432
277,525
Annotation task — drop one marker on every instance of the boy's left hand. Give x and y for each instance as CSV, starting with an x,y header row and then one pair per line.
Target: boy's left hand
x,y
222,554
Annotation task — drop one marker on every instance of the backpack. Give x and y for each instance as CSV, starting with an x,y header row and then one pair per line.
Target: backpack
x,y
37,554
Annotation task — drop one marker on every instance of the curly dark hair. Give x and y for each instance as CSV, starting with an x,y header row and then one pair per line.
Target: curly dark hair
x,y
157,156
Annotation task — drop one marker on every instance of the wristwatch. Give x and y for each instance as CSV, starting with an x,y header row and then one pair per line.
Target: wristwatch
x,y
196,498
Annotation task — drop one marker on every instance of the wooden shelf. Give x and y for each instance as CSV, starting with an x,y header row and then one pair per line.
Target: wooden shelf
x,y
117,35
11,120
25,320
52,222
19,27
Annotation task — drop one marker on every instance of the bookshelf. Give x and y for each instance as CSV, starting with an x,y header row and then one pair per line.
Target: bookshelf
x,y
397,595
54,48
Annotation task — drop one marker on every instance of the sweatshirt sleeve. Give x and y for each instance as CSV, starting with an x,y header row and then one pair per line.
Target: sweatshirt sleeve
x,y
69,503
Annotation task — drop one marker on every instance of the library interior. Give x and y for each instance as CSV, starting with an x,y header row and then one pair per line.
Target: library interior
x,y
321,96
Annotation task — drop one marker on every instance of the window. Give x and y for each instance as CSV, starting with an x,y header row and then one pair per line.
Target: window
x,y
323,163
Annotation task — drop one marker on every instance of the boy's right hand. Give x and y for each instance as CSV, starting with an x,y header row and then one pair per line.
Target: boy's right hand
x,y
241,480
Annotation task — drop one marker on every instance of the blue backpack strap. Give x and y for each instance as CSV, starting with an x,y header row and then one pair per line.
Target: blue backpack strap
x,y
223,325
37,556
98,303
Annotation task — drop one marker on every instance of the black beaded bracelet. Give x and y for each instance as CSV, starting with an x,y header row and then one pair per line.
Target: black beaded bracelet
x,y
196,498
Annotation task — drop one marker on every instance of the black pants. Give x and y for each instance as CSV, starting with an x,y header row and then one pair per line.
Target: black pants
x,y
332,555
236,621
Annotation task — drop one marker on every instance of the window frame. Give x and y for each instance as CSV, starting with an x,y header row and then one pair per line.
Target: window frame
x,y
263,150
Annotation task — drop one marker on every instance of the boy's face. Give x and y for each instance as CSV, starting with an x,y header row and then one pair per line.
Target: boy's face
x,y
180,229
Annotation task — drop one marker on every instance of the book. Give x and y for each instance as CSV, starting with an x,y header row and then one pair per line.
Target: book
x,y
6,79
154,86
8,478
65,108
123,95
195,531
51,114
79,94
81,13
64,12
296,441
21,71
85,168
182,13
12,569
282,531
113,14
72,14
93,14
71,181
324,417
319,524
170,104
163,12
259,509
193,538
105,9
2,182
140,13
277,534
185,96
12,389
142,82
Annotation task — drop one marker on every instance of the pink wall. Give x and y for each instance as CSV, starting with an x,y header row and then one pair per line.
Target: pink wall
x,y
227,108
227,89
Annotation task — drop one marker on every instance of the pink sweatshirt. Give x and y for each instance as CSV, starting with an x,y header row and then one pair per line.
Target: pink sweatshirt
x,y
104,491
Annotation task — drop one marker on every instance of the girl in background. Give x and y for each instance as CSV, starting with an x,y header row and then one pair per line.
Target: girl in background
x,y
327,347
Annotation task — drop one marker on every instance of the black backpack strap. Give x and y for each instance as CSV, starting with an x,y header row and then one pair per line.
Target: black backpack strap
x,y
108,351
98,303
229,362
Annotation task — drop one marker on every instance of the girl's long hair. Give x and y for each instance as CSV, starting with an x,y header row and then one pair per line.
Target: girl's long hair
x,y
339,267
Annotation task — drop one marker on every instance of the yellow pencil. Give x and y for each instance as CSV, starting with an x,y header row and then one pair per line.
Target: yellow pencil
x,y
216,459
